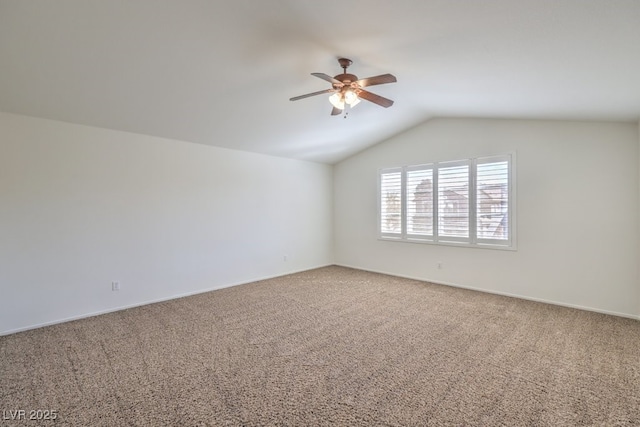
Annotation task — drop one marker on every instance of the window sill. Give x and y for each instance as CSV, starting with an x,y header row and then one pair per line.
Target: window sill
x,y
454,244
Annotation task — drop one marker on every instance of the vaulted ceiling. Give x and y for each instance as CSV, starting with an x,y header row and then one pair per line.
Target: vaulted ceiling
x,y
221,72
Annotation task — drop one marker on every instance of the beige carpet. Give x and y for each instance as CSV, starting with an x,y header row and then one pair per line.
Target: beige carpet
x,y
332,346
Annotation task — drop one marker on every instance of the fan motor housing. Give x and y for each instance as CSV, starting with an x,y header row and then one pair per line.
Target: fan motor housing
x,y
346,78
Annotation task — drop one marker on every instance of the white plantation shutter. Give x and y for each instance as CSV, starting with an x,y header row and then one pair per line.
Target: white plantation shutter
x,y
391,202
468,202
453,201
419,198
492,200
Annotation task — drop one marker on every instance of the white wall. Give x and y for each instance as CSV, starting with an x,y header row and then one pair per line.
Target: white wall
x,y
82,207
577,211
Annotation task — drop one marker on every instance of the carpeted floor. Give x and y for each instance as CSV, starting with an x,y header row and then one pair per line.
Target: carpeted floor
x,y
332,346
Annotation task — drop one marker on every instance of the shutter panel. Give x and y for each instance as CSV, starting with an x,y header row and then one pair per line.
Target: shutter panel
x,y
492,200
391,203
419,197
453,202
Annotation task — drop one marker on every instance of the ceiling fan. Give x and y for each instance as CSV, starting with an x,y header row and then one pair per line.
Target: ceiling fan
x,y
347,89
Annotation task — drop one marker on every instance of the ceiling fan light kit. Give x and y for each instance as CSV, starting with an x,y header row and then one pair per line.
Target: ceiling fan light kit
x,y
349,97
347,89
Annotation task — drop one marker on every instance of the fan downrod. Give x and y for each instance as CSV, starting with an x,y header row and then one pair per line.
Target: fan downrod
x,y
345,78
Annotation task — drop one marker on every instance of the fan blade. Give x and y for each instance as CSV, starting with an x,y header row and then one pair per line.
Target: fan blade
x,y
376,99
320,92
377,80
330,79
336,111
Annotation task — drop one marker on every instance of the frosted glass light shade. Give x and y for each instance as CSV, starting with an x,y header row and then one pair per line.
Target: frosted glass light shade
x,y
351,98
337,100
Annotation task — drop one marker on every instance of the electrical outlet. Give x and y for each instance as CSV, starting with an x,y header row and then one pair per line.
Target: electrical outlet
x,y
115,286
439,265
284,258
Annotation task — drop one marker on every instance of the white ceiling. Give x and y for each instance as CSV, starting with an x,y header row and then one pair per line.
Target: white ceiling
x,y
221,72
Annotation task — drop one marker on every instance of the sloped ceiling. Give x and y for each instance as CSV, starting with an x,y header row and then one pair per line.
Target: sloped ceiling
x,y
222,72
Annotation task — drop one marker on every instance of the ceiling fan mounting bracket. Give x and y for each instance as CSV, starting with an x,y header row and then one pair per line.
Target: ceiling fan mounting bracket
x,y
345,63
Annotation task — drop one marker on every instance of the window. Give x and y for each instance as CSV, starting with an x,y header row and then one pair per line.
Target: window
x,y
467,202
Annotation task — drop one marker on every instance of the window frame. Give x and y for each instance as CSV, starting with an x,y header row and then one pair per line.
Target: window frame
x,y
436,238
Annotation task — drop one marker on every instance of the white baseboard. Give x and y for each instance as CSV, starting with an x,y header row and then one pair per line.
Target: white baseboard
x,y
153,301
506,294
